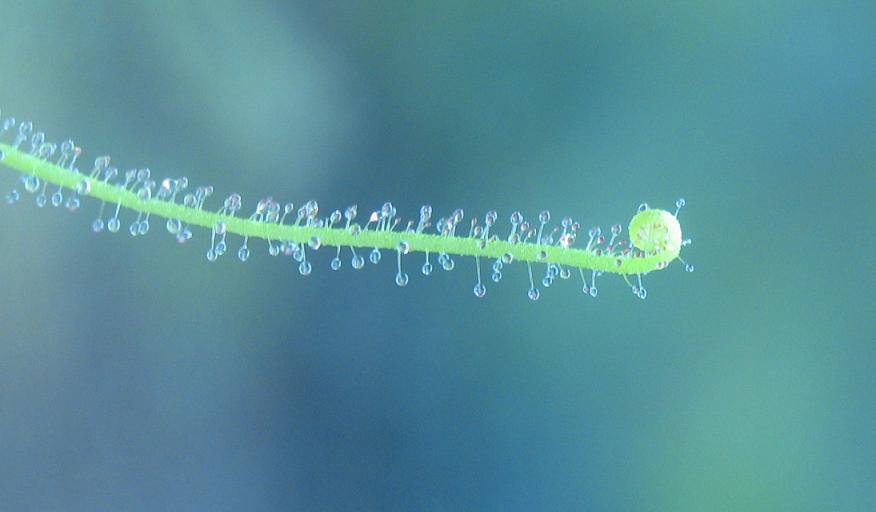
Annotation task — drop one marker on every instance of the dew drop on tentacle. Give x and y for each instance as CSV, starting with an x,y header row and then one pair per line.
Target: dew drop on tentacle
x,y
427,269
358,262
31,184
72,204
375,256
304,268
173,226
83,188
593,289
184,236
336,263
401,277
113,225
533,294
243,253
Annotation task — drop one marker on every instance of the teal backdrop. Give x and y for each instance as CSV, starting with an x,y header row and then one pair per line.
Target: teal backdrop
x,y
135,375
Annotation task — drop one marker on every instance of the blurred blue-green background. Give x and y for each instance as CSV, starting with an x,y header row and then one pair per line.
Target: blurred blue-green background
x,y
134,375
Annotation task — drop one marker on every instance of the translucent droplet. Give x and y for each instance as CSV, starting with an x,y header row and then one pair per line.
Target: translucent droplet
x,y
97,225
183,236
533,294
31,184
375,256
480,290
221,248
243,253
643,293
616,229
57,199
404,247
358,262
134,229
448,264
173,226
144,227
507,258
336,263
680,202
497,276
25,128
689,267
304,268
547,281
643,207
83,188
72,204
427,268
401,279
12,197
273,249
41,200
113,225
565,273
593,291
315,243
211,255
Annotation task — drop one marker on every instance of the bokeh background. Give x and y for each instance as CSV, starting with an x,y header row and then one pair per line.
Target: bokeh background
x,y
134,375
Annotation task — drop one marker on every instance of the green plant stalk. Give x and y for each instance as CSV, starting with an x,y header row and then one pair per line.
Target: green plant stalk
x,y
655,259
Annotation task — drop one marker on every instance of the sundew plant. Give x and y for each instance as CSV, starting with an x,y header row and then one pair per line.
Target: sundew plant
x,y
51,172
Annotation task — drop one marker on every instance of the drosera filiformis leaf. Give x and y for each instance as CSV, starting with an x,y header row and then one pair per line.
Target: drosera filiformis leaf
x,y
655,236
